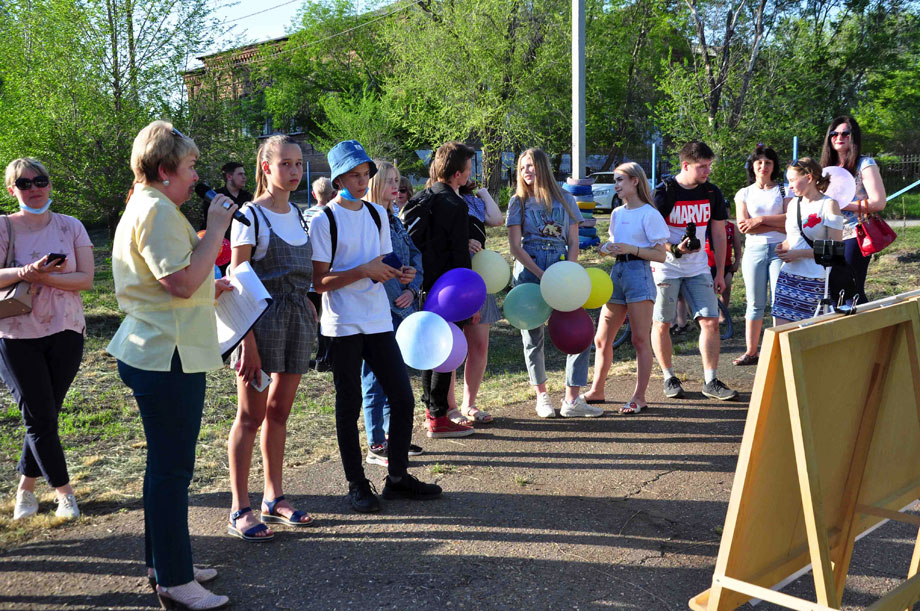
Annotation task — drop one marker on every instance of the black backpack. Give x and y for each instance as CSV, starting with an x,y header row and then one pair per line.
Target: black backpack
x,y
416,216
334,228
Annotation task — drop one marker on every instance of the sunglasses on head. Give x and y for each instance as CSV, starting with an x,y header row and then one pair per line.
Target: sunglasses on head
x,y
844,134
176,132
24,184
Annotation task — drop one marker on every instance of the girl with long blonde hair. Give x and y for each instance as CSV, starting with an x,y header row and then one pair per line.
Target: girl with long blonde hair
x,y
542,226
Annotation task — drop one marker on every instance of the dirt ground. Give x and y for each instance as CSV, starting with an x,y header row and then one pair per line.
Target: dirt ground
x,y
615,512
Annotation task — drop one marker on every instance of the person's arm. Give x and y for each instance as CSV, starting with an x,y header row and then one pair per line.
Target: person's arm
x,y
517,251
736,245
184,282
324,280
875,188
494,216
572,243
80,280
458,235
717,240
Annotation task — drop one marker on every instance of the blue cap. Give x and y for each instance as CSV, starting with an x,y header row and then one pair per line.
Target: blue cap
x,y
347,155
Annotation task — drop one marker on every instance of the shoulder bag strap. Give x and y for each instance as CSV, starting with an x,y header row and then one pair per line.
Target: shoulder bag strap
x,y
798,209
11,246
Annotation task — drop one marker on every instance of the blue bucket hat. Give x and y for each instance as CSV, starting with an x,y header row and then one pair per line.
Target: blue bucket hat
x,y
347,155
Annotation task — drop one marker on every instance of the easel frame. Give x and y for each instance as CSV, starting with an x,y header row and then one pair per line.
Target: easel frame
x,y
840,483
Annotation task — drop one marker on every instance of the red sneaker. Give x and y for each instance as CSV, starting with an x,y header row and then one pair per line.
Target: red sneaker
x,y
444,427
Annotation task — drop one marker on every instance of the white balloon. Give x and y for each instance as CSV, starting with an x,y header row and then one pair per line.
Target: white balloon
x,y
565,286
842,187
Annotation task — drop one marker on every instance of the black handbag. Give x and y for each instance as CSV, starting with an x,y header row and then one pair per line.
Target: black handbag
x,y
842,278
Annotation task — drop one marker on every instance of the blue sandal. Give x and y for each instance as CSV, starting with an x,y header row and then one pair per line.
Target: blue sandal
x,y
293,520
249,534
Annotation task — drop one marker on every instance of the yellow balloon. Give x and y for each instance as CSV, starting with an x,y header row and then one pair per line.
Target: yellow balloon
x,y
493,268
601,288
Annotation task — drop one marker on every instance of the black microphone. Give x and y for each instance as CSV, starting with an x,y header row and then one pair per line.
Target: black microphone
x,y
206,193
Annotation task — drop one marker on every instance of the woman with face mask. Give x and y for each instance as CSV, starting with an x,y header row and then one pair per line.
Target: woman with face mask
x,y
41,350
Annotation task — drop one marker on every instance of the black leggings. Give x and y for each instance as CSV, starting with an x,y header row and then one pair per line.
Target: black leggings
x,y
38,373
859,265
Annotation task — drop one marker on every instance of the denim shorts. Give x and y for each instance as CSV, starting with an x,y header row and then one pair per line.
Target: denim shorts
x,y
632,282
698,291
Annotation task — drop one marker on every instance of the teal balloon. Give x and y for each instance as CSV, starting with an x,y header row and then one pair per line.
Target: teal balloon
x,y
525,308
425,340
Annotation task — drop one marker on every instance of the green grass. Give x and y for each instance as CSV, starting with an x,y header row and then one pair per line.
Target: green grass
x,y
104,440
905,206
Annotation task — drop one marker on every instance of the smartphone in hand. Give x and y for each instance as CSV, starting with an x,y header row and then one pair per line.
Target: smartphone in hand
x,y
55,259
393,261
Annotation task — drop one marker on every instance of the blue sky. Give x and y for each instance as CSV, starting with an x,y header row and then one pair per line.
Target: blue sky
x,y
274,20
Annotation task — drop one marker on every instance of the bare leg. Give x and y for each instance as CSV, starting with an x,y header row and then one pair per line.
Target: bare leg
x,y
752,329
249,416
610,321
640,320
477,339
274,432
709,342
661,344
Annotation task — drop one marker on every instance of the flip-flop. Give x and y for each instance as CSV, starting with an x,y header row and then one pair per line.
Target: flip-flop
x,y
746,359
250,533
474,414
632,408
292,520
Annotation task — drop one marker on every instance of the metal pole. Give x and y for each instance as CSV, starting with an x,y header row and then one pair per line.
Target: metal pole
x,y
309,185
578,88
654,150
795,148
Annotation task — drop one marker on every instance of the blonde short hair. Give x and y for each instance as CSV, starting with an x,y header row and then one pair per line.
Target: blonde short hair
x,y
17,166
159,144
378,183
323,189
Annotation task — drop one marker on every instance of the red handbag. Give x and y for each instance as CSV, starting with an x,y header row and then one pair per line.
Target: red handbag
x,y
873,234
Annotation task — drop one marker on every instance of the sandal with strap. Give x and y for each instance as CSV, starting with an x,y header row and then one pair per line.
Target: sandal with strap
x,y
746,359
476,415
248,534
293,520
632,408
456,417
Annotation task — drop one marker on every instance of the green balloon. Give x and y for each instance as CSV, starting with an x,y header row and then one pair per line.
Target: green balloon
x,y
525,308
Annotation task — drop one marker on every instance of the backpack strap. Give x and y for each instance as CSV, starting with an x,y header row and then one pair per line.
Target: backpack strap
x,y
334,230
255,224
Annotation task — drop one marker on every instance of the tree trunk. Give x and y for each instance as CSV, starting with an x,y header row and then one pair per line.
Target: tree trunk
x,y
492,163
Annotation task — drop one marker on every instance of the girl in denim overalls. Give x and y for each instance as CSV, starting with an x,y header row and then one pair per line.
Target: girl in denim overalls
x,y
542,229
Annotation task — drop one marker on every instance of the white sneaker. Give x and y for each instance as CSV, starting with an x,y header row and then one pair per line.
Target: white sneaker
x,y
26,505
545,406
579,409
67,507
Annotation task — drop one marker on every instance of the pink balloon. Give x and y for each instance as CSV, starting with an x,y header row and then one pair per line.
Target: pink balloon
x,y
457,352
571,332
842,187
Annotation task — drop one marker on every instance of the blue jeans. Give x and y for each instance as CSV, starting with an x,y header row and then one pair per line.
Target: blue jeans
x,y
759,265
170,403
697,290
375,405
576,365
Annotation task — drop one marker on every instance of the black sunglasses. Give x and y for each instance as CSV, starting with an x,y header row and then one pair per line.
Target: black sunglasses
x,y
24,184
840,133
404,190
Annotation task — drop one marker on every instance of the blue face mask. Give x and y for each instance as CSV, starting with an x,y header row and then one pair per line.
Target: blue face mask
x,y
31,210
346,194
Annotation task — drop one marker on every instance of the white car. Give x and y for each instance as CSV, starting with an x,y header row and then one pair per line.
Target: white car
x,y
605,197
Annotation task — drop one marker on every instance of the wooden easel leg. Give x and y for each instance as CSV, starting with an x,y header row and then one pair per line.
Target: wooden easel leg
x,y
915,560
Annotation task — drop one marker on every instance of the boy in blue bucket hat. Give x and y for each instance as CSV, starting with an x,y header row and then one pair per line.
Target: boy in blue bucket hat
x,y
350,243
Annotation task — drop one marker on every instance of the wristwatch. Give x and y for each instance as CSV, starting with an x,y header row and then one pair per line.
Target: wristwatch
x,y
676,251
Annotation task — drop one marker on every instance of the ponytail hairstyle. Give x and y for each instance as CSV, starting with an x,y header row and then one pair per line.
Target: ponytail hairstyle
x,y
634,170
378,183
807,165
545,189
267,151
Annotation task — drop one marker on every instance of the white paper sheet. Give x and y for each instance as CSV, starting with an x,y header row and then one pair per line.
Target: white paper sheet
x,y
239,309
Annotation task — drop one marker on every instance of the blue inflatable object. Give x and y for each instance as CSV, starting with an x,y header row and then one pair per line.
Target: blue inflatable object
x,y
425,340
578,189
586,242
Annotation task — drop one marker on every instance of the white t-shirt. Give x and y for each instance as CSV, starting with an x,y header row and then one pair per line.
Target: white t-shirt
x,y
286,226
761,202
817,218
643,226
362,306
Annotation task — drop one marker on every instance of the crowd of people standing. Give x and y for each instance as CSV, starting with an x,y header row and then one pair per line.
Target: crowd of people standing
x,y
344,274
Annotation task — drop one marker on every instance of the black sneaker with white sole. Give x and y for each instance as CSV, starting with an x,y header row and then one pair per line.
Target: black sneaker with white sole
x,y
717,390
409,487
673,389
415,450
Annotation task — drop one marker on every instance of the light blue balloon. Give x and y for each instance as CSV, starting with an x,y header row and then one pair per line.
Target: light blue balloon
x,y
425,340
525,307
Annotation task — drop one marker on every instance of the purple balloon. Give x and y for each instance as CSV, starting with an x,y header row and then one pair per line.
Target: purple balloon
x,y
457,295
457,351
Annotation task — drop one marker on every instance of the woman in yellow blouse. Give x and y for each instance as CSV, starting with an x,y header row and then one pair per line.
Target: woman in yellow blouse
x,y
168,340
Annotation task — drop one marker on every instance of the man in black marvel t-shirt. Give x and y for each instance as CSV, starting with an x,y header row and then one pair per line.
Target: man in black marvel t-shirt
x,y
689,198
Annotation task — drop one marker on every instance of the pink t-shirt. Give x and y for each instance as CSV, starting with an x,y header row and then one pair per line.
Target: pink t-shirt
x,y
53,310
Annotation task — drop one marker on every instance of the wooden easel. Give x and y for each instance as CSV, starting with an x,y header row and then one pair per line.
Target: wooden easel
x,y
831,447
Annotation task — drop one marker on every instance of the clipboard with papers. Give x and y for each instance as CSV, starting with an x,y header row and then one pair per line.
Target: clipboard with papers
x,y
240,309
